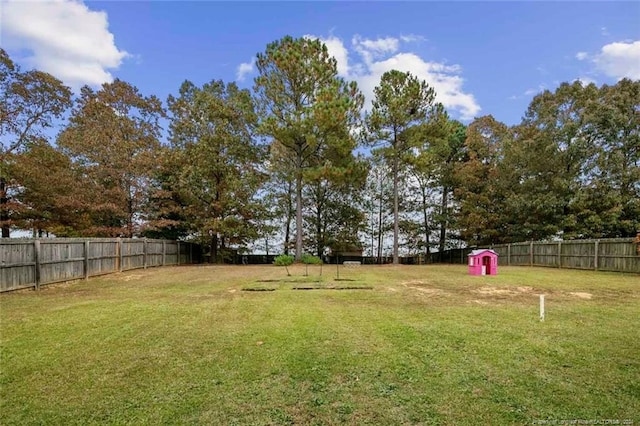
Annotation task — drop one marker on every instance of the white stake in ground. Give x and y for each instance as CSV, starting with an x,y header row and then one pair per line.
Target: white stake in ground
x,y
542,307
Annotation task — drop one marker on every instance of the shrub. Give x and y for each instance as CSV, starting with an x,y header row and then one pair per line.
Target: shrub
x,y
311,260
283,260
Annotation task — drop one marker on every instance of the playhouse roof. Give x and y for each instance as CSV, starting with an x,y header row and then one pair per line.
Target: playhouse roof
x,y
480,251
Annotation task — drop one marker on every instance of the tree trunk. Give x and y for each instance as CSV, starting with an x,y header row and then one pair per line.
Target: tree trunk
x,y
4,216
287,235
373,227
380,224
443,219
130,220
319,245
426,222
319,239
214,249
396,259
298,215
287,230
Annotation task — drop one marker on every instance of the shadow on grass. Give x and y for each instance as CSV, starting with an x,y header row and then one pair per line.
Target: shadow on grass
x,y
258,289
335,288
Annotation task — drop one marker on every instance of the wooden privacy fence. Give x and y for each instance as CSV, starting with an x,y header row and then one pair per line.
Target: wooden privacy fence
x,y
34,262
619,255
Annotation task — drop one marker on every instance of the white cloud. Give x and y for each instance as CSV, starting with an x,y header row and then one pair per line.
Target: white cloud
x,y
380,46
410,38
338,51
585,81
616,60
244,69
620,60
382,55
443,78
64,38
370,50
581,56
535,91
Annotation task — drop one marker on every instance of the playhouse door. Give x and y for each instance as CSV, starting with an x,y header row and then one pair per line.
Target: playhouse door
x,y
486,265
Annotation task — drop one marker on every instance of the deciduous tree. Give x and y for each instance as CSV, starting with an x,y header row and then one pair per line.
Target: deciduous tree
x,y
30,101
49,192
559,151
113,136
615,121
481,183
219,162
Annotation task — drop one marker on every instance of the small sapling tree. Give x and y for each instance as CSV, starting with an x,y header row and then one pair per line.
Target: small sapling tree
x,y
284,260
308,259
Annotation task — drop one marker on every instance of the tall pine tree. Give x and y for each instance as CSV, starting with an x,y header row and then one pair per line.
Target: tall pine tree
x,y
305,108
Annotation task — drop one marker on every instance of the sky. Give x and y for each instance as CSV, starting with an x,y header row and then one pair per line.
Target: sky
x,y
481,57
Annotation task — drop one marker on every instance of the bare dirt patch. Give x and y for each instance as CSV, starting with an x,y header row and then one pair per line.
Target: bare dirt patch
x,y
413,283
490,294
581,295
427,290
496,291
420,287
515,291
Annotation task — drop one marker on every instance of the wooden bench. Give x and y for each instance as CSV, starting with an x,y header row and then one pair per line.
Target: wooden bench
x,y
351,263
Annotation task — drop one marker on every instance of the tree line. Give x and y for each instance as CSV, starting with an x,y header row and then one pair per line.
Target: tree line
x,y
297,165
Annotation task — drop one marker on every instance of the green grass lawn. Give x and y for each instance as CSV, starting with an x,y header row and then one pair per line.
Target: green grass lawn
x,y
405,345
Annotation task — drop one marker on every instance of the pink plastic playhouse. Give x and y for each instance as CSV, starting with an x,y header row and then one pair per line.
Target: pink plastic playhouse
x,y
483,262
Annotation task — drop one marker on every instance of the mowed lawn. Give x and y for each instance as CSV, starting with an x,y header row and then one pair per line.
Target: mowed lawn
x,y
422,345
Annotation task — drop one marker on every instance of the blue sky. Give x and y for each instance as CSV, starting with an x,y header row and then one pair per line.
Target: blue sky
x,y
482,57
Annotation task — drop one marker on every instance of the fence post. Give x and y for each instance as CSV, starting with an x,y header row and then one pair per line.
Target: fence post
x,y
144,253
36,251
120,255
531,253
178,260
559,254
190,253
164,252
595,257
509,254
86,260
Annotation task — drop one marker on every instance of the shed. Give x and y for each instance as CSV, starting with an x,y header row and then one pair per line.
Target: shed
x,y
483,262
